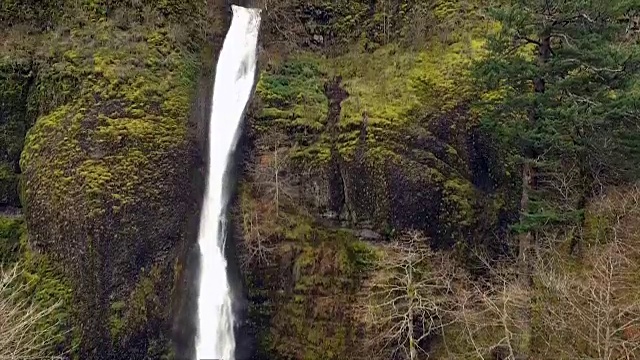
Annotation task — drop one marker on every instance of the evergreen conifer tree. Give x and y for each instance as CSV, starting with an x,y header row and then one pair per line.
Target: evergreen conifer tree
x,y
562,75
568,105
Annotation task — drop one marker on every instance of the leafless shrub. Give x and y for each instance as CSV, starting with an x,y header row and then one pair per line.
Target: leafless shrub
x,y
258,226
22,335
594,314
272,187
493,315
270,175
283,22
408,298
587,308
594,311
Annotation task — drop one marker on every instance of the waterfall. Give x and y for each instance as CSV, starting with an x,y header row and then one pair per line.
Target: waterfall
x,y
235,76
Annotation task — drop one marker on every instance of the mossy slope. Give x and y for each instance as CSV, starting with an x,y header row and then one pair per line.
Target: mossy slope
x,y
43,284
302,292
409,151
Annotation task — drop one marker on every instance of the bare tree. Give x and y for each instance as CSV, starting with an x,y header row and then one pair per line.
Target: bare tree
x,y
283,21
595,313
270,175
22,335
272,186
257,226
408,298
587,308
491,316
573,308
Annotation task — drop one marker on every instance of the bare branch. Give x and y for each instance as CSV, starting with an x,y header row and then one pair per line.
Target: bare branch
x,y
596,312
272,187
22,335
408,299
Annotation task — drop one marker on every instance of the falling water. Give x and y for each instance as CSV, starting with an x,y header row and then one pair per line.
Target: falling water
x,y
235,76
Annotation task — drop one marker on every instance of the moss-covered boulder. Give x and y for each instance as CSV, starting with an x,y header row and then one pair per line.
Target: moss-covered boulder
x,y
107,165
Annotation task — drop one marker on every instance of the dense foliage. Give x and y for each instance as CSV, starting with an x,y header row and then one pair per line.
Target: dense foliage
x,y
563,75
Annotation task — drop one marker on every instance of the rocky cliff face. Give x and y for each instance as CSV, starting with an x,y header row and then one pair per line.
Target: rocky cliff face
x,y
109,87
16,117
349,144
362,130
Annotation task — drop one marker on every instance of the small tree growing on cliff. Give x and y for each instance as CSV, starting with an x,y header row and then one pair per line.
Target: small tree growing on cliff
x,y
270,175
21,333
408,299
258,224
272,186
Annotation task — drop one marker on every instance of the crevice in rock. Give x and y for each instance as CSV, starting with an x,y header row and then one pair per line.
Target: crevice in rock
x,y
338,192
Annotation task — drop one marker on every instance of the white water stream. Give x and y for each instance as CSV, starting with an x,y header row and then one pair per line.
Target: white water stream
x,y
235,76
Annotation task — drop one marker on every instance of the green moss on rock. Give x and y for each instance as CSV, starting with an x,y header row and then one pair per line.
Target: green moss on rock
x,y
42,283
11,230
139,317
292,100
309,314
405,136
106,163
50,289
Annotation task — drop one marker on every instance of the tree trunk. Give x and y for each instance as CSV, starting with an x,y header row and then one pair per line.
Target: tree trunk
x,y
413,352
527,240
